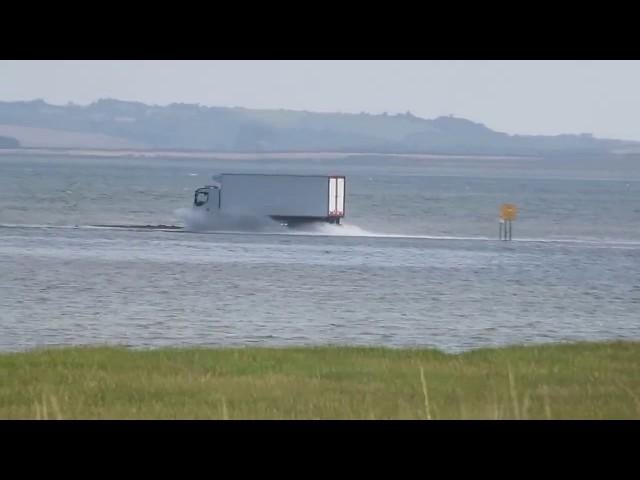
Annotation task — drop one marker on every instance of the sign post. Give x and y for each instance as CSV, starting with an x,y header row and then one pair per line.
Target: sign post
x,y
508,212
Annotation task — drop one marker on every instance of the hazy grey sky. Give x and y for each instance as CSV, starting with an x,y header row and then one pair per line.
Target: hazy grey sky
x,y
533,97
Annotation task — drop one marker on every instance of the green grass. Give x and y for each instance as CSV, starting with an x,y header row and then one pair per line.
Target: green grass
x,y
568,381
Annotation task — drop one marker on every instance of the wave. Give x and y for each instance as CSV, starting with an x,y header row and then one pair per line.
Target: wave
x,y
196,223
84,227
200,221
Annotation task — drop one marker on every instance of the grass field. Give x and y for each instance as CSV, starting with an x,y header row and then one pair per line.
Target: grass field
x,y
565,381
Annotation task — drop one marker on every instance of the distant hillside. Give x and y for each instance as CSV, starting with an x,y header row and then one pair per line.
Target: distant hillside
x,y
54,138
119,124
9,142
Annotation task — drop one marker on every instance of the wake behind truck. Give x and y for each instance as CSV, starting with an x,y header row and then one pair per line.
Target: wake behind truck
x,y
289,199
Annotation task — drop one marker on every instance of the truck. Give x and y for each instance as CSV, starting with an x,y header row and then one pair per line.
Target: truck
x,y
289,199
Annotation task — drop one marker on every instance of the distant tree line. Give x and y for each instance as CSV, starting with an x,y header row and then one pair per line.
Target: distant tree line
x,y
197,127
9,142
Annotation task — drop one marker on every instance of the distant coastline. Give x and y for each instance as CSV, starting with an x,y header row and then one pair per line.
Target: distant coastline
x,y
133,153
116,125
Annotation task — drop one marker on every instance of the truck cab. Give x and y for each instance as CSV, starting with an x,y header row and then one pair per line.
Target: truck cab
x,y
207,197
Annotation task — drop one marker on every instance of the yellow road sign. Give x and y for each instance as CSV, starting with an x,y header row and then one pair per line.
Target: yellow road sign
x,y
508,211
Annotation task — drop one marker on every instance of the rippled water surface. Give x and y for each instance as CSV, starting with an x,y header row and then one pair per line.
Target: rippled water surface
x,y
416,264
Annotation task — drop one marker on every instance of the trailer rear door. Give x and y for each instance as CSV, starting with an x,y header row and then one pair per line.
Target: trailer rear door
x,y
336,196
340,196
332,195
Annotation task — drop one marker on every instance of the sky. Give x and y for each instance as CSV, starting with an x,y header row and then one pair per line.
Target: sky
x,y
516,97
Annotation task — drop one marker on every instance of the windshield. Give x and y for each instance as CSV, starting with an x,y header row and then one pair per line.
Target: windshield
x,y
201,197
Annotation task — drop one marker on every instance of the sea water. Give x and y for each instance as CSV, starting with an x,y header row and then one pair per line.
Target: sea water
x,y
417,261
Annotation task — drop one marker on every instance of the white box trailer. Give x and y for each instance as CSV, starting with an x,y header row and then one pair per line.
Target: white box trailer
x,y
291,199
